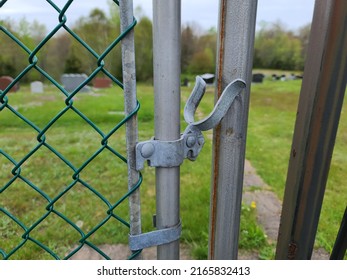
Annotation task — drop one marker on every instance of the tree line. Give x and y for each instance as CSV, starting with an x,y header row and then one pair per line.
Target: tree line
x,y
275,47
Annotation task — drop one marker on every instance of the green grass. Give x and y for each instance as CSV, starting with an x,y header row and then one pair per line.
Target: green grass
x,y
271,122
195,196
76,141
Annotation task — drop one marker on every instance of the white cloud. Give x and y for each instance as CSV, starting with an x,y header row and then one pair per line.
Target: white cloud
x,y
13,8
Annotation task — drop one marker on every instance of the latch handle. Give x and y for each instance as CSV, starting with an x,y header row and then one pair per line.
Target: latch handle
x,y
220,109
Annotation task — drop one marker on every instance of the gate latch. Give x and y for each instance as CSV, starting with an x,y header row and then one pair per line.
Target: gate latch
x,y
172,153
159,153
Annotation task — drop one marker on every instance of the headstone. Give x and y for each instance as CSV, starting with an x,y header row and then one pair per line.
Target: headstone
x,y
102,82
36,87
185,82
5,81
72,81
292,77
208,78
258,78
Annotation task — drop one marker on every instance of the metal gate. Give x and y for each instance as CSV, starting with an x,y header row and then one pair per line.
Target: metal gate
x,y
166,152
22,177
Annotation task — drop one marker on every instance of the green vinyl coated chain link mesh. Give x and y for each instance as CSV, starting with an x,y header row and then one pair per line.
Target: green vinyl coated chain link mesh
x,y
20,230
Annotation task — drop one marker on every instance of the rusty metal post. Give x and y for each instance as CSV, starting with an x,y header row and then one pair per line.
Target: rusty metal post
x,y
234,60
319,109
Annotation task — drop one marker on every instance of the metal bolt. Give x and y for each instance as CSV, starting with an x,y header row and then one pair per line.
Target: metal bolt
x,y
147,150
200,141
191,140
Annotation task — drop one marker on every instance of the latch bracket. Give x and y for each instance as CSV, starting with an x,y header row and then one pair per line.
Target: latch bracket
x,y
159,153
170,153
155,238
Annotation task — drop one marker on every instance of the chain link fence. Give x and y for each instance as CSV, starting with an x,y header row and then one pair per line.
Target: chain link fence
x,y
55,196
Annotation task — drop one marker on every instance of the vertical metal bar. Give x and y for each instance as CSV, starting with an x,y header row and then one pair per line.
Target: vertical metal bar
x,y
130,100
340,245
167,69
319,109
234,60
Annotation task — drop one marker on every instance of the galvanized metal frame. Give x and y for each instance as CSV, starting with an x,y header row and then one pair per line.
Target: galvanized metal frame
x,y
235,54
130,103
234,60
167,70
319,109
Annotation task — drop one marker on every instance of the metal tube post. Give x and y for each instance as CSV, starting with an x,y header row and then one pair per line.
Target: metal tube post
x,y
234,60
130,101
167,69
320,103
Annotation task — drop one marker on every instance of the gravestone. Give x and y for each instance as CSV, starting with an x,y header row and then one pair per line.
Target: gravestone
x,y
292,77
5,81
36,87
185,82
72,81
102,82
258,78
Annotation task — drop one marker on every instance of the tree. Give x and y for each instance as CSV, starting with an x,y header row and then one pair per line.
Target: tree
x,y
143,49
73,63
304,36
277,48
188,47
57,52
202,62
198,53
14,59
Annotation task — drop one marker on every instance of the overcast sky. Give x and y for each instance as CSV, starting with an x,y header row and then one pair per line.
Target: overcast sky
x,y
293,13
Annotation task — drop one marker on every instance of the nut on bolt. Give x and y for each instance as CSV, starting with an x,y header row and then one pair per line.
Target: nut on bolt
x,y
191,140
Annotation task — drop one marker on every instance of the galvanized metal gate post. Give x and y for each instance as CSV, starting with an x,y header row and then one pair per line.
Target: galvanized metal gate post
x,y
234,60
166,56
130,99
319,109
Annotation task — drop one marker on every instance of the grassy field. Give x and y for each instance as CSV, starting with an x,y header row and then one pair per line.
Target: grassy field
x,y
271,122
47,176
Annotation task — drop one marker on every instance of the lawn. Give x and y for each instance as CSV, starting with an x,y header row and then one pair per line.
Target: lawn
x,y
49,174
271,122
